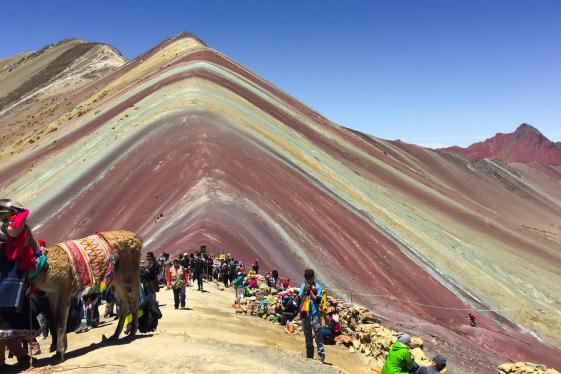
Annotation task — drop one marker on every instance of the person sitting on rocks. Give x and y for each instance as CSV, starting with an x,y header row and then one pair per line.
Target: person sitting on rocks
x,y
278,312
333,330
438,364
252,282
399,360
290,310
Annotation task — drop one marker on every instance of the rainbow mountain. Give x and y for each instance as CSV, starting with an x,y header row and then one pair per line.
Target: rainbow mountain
x,y
187,147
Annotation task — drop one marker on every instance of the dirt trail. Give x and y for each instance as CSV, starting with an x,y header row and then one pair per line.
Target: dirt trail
x,y
206,338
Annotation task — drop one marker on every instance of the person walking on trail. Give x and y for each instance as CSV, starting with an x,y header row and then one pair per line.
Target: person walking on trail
x,y
178,284
310,297
255,266
239,285
199,271
438,364
400,360
471,319
184,262
167,265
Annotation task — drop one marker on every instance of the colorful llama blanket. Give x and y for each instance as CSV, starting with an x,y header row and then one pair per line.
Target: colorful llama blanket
x,y
92,260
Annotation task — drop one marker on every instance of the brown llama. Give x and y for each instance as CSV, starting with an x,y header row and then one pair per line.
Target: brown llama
x,y
60,281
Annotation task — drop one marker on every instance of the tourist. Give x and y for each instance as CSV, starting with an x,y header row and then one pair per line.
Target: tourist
x,y
438,364
225,273
310,297
20,257
239,285
192,268
149,273
290,310
255,266
199,271
471,319
178,284
332,330
184,262
399,358
252,281
167,265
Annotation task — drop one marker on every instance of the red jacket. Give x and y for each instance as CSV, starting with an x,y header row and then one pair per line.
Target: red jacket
x,y
21,248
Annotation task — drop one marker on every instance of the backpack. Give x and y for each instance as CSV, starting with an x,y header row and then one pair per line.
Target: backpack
x,y
151,313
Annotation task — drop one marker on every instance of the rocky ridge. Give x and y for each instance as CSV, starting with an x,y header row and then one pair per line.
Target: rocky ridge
x,y
526,144
525,367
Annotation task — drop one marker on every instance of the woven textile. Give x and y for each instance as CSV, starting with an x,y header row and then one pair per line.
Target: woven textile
x,y
92,260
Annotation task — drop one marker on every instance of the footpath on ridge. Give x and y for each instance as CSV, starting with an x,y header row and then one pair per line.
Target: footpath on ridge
x,y
208,337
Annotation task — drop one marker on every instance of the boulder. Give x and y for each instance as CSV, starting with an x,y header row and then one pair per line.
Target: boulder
x,y
506,368
524,368
416,342
419,356
344,339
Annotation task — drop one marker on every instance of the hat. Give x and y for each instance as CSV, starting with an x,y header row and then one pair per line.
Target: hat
x,y
440,362
403,338
7,204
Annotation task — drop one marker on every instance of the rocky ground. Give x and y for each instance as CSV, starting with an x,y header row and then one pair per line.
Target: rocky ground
x,y
208,337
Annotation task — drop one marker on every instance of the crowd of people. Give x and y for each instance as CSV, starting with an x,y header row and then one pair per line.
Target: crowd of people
x,y
21,256
320,323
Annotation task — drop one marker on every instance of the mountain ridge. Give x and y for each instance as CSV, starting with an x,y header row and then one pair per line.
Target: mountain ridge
x,y
526,144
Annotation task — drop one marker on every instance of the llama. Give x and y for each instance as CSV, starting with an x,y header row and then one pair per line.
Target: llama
x,y
62,280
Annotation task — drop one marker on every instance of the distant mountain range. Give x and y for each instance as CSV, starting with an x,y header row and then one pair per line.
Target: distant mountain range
x,y
526,144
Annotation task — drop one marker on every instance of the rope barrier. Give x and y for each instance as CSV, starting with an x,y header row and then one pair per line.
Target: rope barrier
x,y
393,298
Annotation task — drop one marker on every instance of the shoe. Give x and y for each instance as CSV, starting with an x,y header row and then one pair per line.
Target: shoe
x,y
82,328
24,363
176,307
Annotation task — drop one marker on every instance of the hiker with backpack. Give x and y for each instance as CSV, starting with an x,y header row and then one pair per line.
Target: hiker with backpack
x,y
310,297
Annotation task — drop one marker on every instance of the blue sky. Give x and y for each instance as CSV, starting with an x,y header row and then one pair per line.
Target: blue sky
x,y
427,72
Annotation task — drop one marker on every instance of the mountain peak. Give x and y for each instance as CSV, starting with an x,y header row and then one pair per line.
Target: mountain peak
x,y
526,144
526,128
188,35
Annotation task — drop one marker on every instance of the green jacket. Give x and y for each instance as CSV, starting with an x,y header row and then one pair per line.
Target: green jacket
x,y
399,360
